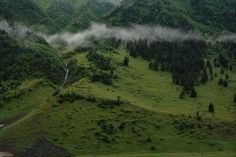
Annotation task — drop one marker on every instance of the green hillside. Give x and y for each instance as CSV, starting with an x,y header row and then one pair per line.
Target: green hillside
x,y
55,15
114,98
52,16
91,11
27,59
21,11
208,16
44,4
72,15
139,112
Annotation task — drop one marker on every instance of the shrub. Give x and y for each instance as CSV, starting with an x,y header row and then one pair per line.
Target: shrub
x,y
199,118
102,77
70,96
122,126
225,84
222,71
108,104
57,91
126,61
211,108
100,61
182,95
84,49
226,76
220,82
153,148
193,93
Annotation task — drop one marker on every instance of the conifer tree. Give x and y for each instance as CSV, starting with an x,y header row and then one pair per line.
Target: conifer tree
x,y
211,108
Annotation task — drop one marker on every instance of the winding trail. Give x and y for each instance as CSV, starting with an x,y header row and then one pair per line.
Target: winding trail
x,y
2,126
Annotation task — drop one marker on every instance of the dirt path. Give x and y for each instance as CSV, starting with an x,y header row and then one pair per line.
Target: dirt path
x,y
5,154
2,126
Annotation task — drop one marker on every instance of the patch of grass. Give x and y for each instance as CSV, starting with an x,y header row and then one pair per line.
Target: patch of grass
x,y
34,94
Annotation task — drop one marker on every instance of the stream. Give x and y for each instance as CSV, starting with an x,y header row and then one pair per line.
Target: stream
x,y
66,75
2,126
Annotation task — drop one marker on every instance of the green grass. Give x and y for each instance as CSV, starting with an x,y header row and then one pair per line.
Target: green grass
x,y
33,95
152,113
155,90
74,126
217,154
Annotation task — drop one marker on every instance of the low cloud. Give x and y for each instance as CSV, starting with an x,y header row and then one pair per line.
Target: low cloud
x,y
17,30
132,33
114,2
101,31
230,37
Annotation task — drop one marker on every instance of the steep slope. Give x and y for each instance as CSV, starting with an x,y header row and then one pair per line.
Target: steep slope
x,y
61,13
25,59
72,15
21,11
44,4
91,11
205,15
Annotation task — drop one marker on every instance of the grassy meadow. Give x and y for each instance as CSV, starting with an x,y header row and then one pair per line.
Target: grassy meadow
x,y
151,120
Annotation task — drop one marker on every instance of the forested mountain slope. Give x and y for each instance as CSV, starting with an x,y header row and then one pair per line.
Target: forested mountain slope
x,y
21,11
52,16
205,15
27,59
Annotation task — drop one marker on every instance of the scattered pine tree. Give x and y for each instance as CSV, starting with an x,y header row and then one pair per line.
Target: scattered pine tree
x,y
225,84
198,116
211,108
193,93
222,71
226,76
204,77
220,82
126,61
182,95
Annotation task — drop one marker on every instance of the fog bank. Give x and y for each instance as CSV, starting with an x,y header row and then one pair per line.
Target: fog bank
x,y
114,2
134,32
17,30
